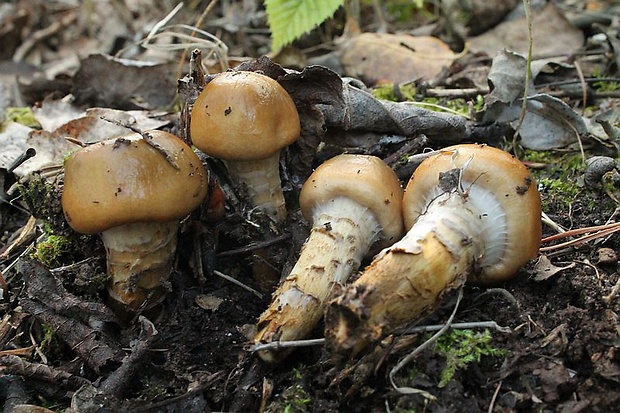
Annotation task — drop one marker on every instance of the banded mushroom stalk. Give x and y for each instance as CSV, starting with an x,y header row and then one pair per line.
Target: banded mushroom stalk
x,y
246,118
473,212
353,202
134,193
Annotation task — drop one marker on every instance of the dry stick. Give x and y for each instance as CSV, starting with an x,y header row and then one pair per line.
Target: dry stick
x,y
495,393
200,20
72,266
43,34
572,94
11,364
163,22
254,246
584,87
27,231
599,232
527,7
278,345
238,283
579,231
456,93
547,220
148,138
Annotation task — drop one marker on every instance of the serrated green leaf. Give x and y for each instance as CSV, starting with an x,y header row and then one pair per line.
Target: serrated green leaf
x,y
289,19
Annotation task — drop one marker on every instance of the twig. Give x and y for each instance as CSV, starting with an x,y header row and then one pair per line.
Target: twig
x,y
495,393
26,233
503,292
418,350
254,246
456,93
412,145
15,365
148,138
459,326
199,22
72,266
43,34
118,380
595,232
527,7
278,345
546,220
584,86
237,282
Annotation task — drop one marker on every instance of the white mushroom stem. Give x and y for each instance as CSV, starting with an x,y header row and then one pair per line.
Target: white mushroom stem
x,y
262,178
342,233
139,260
405,280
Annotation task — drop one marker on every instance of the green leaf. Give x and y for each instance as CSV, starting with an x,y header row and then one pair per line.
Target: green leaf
x,y
289,19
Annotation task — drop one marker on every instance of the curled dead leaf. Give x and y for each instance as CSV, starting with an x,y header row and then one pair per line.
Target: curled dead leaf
x,y
544,269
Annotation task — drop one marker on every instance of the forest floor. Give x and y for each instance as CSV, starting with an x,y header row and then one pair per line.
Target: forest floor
x,y
552,333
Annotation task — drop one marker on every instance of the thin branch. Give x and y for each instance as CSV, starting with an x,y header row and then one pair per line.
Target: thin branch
x,y
148,138
237,282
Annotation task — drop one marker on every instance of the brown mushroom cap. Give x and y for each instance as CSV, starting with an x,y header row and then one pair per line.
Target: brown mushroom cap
x,y
124,180
517,203
365,179
241,116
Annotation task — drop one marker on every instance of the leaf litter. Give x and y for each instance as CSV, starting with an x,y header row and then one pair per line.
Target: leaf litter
x,y
564,339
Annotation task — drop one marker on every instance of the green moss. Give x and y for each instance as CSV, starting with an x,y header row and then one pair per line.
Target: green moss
x,y
23,116
294,398
48,336
297,401
49,251
604,85
557,181
557,190
462,347
395,93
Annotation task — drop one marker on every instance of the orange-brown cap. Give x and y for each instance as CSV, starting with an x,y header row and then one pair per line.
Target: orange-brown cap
x,y
125,180
242,116
365,179
501,188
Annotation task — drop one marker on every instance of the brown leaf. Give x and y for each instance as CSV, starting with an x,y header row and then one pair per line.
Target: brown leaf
x,y
123,84
544,269
552,34
410,57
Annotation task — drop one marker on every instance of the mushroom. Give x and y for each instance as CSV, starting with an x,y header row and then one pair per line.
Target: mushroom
x,y
134,192
473,212
353,202
245,119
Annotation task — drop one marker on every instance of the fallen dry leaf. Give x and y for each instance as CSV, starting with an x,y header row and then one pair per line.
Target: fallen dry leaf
x,y
410,57
544,269
552,34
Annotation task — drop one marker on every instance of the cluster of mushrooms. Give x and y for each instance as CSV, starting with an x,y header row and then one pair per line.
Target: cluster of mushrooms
x,y
469,213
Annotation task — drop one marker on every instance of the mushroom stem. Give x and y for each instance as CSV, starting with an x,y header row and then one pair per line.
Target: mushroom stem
x,y
473,213
139,257
262,178
407,279
342,233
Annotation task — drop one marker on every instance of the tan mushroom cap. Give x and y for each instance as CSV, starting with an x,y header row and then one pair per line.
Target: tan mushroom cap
x,y
242,116
125,180
514,189
365,179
